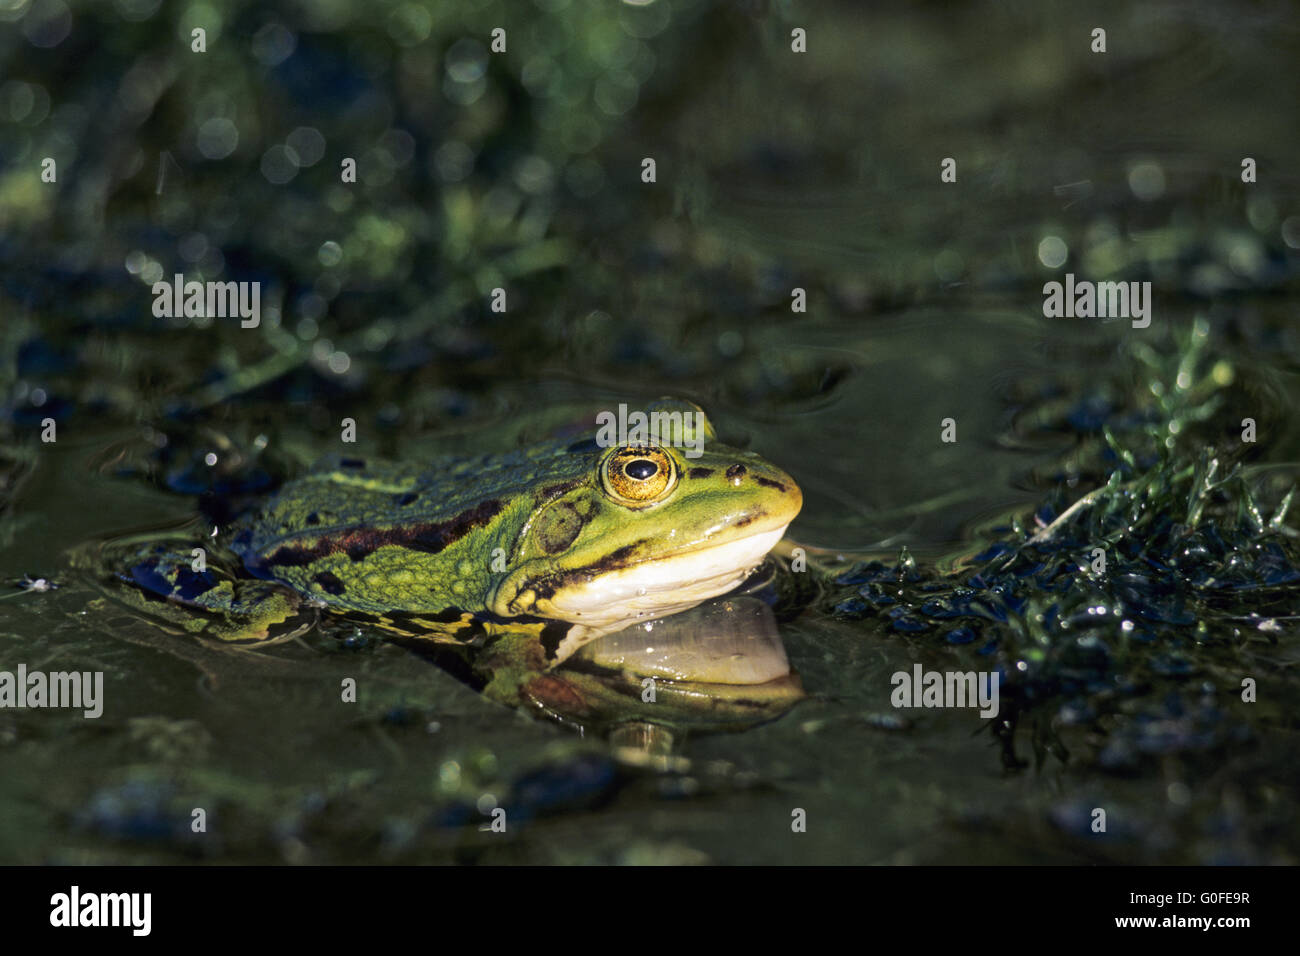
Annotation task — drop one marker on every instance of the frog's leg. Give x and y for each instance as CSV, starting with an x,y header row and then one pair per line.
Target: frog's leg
x,y
478,640
491,656
455,627
162,581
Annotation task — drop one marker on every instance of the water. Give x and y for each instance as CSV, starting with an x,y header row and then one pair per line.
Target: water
x,y
775,171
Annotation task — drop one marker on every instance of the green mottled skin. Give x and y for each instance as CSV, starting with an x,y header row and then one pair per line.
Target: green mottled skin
x,y
554,519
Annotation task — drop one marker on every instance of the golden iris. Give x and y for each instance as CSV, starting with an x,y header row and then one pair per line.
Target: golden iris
x,y
639,475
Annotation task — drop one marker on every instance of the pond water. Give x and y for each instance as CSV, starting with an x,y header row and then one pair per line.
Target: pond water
x,y
775,171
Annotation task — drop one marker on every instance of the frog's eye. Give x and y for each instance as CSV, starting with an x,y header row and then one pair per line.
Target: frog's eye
x,y
639,475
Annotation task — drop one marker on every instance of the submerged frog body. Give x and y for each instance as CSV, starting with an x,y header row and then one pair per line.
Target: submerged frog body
x,y
573,539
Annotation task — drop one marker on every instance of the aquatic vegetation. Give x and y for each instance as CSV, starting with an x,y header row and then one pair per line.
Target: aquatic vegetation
x,y
1147,596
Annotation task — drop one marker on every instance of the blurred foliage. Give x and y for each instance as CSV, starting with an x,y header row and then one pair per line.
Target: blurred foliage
x,y
226,165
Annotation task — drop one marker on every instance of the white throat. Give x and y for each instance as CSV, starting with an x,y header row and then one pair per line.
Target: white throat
x,y
654,589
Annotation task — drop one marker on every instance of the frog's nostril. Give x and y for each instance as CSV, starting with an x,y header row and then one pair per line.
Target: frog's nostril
x,y
735,473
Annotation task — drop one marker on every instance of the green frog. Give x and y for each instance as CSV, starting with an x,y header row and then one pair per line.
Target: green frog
x,y
523,557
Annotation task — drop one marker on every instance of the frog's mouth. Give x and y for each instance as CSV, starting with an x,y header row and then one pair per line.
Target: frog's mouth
x,y
607,602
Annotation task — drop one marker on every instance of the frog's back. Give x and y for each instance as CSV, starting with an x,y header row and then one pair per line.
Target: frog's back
x,y
373,535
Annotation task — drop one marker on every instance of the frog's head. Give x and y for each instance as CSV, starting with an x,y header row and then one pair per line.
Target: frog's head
x,y
645,532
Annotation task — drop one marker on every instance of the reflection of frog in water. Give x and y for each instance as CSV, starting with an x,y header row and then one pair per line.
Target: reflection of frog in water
x,y
511,563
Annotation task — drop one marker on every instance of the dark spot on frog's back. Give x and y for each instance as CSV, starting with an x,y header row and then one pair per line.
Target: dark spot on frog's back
x,y
190,584
184,584
407,499
736,472
146,575
330,583
700,472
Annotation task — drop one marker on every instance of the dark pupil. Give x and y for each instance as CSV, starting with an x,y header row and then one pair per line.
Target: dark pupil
x,y
641,469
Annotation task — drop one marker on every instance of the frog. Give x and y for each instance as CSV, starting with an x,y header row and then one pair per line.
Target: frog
x,y
532,552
